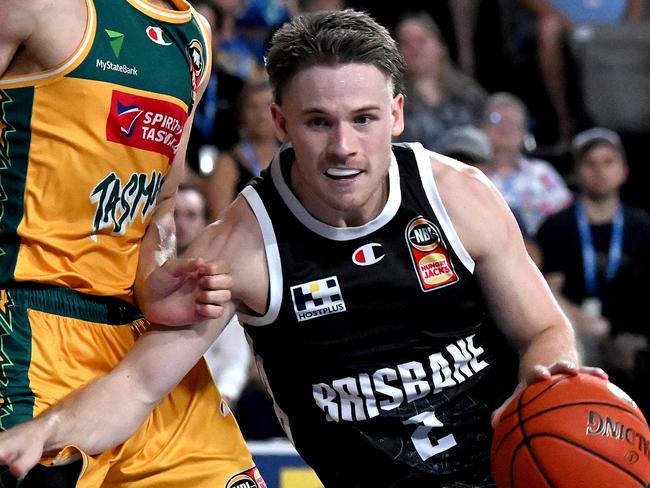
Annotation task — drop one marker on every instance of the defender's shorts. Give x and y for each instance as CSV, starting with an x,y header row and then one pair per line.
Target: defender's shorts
x,y
55,340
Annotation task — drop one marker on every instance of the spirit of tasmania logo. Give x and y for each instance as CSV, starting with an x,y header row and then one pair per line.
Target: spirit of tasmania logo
x,y
145,123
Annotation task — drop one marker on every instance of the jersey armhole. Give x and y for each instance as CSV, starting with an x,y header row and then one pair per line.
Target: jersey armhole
x,y
433,196
272,261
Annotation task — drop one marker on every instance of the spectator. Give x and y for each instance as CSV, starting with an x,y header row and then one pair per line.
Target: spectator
x,y
190,215
252,153
229,357
555,19
468,144
596,257
256,19
440,96
316,5
235,53
532,187
215,123
472,146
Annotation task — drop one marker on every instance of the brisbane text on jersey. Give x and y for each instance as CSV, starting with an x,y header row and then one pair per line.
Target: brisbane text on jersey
x,y
351,399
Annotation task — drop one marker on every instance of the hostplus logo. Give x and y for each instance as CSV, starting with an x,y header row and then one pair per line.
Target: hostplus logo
x,y
317,298
116,42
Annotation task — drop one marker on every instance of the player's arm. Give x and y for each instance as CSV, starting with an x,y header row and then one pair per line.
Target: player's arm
x,y
515,291
160,358
18,20
190,289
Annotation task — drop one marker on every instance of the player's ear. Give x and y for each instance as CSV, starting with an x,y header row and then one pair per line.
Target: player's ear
x,y
280,122
397,114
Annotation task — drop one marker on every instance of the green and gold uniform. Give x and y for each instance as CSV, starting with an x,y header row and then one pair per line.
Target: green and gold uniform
x,y
84,150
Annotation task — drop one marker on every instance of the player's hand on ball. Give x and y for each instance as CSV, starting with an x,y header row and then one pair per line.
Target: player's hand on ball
x,y
540,372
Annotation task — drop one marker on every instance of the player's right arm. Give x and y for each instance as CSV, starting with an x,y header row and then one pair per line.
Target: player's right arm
x,y
31,37
18,19
160,358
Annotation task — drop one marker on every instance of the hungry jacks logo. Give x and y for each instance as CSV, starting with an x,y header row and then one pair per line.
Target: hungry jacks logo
x,y
429,255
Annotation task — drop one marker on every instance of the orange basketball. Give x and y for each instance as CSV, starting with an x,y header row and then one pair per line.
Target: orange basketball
x,y
571,432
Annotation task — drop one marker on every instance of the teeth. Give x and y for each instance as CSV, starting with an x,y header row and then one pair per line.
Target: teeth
x,y
342,172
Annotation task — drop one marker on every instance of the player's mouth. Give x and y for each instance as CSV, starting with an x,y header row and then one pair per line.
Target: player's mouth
x,y
342,173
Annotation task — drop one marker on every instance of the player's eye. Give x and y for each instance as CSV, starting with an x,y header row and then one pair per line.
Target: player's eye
x,y
318,122
363,119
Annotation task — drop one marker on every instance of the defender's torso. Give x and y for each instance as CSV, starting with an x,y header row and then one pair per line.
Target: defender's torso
x,y
84,147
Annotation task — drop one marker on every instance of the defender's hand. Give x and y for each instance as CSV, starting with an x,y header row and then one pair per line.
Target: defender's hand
x,y
185,290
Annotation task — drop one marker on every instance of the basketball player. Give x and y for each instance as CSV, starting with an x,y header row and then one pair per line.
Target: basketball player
x,y
94,104
386,289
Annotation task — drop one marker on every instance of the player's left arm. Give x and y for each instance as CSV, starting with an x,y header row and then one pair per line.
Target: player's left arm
x,y
190,291
516,293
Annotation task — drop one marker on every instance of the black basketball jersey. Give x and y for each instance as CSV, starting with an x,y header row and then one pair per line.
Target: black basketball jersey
x,y
376,345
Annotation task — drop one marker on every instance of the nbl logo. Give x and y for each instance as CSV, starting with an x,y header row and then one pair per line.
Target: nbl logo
x,y
317,298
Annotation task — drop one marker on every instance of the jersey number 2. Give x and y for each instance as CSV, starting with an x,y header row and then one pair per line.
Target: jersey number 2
x,y
423,444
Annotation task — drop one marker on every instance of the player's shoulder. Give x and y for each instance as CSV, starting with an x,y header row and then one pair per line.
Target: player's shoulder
x,y
17,15
457,179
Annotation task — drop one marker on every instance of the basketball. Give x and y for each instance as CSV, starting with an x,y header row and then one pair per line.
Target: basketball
x,y
571,432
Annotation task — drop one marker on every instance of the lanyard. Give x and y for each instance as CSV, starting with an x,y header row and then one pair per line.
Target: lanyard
x,y
588,253
206,113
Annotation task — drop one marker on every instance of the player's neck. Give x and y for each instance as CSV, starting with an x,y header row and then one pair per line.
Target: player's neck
x,y
600,210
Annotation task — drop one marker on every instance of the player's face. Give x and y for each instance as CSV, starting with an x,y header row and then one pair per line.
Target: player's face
x,y
506,129
601,172
340,120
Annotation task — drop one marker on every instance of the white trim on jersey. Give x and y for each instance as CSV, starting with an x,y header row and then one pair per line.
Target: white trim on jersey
x,y
422,156
272,260
338,233
183,14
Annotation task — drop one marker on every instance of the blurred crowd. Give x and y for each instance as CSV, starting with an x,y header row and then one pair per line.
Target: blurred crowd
x,y
508,86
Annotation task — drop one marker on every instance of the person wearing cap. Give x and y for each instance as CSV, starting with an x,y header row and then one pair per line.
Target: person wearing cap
x,y
596,257
469,145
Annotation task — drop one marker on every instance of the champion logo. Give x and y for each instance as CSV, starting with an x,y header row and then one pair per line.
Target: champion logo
x,y
367,254
128,116
156,35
